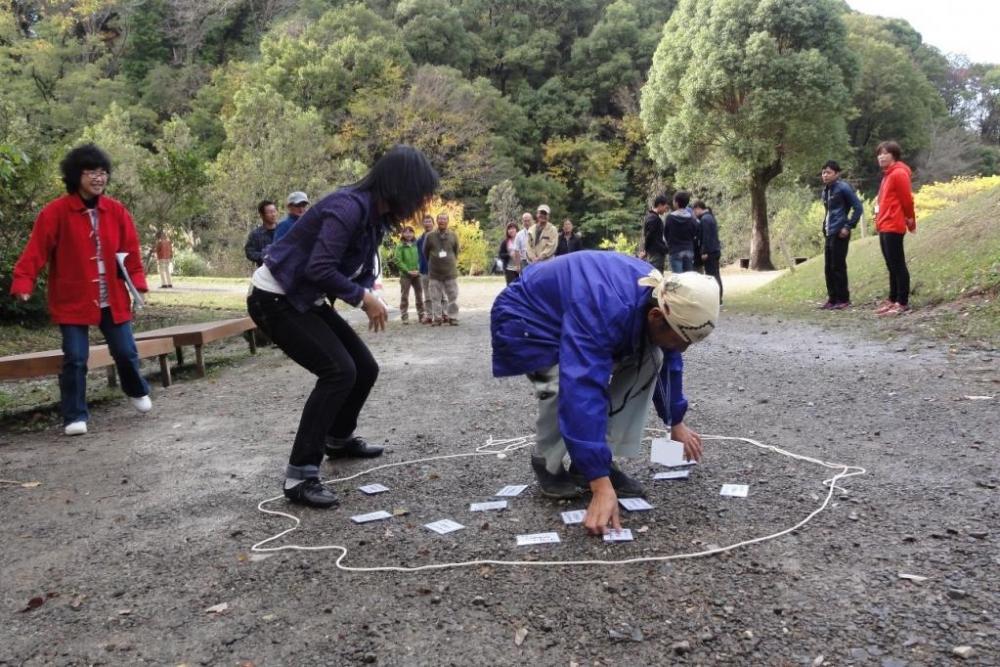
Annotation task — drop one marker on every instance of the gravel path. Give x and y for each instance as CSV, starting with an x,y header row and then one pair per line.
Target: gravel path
x,y
140,527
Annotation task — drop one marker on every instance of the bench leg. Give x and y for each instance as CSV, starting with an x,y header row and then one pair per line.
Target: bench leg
x,y
252,339
112,376
165,371
179,351
199,361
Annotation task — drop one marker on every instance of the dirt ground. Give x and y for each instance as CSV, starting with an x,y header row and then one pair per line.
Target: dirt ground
x,y
140,527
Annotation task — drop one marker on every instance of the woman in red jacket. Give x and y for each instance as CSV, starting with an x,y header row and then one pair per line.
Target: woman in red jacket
x,y
893,217
78,236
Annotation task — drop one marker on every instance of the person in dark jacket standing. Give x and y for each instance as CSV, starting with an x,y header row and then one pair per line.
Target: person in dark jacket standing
x,y
262,236
654,246
569,241
509,255
843,211
330,253
711,247
679,229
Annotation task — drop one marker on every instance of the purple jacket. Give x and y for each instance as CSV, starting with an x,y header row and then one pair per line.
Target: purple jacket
x,y
330,251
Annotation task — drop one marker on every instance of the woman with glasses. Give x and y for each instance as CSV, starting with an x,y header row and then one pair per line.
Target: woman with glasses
x,y
79,235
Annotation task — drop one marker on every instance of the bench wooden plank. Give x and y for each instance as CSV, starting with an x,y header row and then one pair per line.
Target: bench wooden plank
x,y
49,362
198,334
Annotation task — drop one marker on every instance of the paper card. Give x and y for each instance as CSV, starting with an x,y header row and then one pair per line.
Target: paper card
x,y
511,491
735,490
371,516
635,504
537,538
372,489
485,507
680,473
573,517
618,535
444,526
669,453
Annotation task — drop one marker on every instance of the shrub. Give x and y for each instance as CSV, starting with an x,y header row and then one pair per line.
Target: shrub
x,y
190,263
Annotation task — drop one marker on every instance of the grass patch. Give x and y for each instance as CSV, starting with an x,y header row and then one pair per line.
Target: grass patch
x,y
954,263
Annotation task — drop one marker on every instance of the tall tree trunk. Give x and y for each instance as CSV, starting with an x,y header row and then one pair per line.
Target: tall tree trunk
x,y
760,241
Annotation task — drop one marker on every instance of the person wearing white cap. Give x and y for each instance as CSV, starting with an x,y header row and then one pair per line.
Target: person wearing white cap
x,y
599,335
296,205
543,238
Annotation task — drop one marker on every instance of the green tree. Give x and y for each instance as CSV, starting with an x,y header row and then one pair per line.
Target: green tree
x,y
504,205
758,82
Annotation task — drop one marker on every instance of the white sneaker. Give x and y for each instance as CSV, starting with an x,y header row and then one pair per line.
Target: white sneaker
x,y
142,404
76,428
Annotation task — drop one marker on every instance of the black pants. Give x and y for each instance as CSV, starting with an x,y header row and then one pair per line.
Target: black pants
x,y
835,263
320,341
511,276
712,269
895,261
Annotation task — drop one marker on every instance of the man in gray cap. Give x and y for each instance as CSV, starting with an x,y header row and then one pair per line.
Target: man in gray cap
x,y
543,238
296,204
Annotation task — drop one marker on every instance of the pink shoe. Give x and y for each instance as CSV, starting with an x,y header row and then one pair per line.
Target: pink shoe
x,y
885,307
829,305
843,305
897,309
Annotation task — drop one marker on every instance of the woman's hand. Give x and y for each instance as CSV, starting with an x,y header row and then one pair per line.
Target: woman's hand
x,y
376,311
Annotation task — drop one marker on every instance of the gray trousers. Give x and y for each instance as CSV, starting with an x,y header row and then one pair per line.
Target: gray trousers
x,y
444,292
630,391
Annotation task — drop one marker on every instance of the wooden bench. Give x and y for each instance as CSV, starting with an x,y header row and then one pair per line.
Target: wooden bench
x,y
39,364
199,334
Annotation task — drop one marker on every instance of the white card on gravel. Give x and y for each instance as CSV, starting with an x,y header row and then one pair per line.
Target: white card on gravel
x,y
681,473
511,491
618,535
669,453
444,526
372,489
573,517
735,490
537,538
371,516
486,507
635,504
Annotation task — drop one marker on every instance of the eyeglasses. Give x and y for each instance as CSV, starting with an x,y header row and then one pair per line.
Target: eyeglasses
x,y
95,174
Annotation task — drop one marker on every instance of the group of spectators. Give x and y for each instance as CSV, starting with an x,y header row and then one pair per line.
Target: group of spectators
x,y
537,241
271,229
682,237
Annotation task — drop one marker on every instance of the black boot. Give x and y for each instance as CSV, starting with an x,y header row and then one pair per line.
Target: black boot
x,y
354,448
312,493
625,486
557,485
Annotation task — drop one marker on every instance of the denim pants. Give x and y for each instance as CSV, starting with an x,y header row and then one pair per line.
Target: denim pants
x,y
323,343
76,351
682,261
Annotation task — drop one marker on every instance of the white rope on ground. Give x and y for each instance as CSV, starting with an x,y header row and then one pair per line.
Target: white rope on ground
x,y
501,448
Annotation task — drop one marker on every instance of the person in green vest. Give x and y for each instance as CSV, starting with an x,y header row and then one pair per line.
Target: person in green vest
x,y
408,263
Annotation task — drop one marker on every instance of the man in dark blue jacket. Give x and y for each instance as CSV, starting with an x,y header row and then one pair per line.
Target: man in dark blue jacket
x,y
843,211
711,247
599,334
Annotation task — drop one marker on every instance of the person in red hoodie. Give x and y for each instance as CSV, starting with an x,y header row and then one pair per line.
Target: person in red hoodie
x,y
78,236
894,216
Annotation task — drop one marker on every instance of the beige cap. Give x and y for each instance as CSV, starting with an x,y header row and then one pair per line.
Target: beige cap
x,y
689,301
544,208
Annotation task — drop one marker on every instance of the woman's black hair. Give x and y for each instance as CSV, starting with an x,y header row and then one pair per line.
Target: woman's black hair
x,y
509,225
403,179
78,160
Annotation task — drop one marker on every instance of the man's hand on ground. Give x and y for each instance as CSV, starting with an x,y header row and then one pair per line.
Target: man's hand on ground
x,y
690,440
603,508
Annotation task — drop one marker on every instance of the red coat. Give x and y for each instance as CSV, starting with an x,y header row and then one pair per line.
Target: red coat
x,y
895,201
63,238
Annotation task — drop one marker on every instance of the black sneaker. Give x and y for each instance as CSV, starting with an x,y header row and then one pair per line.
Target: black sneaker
x,y
625,486
558,485
355,448
312,493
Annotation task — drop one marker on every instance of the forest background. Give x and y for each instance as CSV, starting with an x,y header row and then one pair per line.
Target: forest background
x,y
591,106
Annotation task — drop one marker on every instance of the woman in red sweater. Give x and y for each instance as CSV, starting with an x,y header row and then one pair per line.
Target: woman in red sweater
x,y
78,236
894,216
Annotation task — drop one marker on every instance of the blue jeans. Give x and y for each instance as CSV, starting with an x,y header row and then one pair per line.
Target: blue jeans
x,y
76,350
682,261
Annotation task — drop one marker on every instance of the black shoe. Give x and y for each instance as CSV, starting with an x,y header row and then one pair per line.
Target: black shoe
x,y
312,493
558,485
355,448
625,486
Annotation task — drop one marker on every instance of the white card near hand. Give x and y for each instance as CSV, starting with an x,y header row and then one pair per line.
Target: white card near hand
x,y
618,535
371,516
485,507
537,538
511,491
444,526
372,489
635,504
669,453
735,490
680,473
573,517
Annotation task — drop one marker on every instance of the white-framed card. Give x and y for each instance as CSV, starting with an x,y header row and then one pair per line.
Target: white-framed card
x,y
735,490
573,517
669,453
372,489
511,491
635,504
444,526
486,507
537,538
371,516
679,473
618,535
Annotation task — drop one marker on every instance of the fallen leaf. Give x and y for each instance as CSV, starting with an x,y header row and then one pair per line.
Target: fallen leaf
x,y
916,578
124,612
77,602
979,398
217,608
400,511
34,603
520,635
30,485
